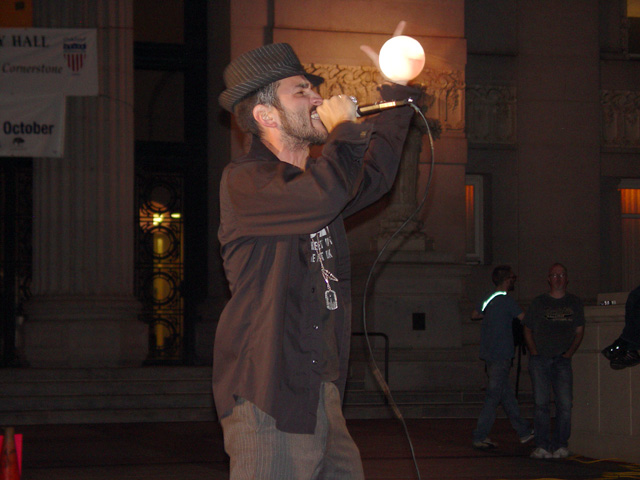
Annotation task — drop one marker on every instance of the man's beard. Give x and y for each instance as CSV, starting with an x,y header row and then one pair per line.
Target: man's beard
x,y
298,131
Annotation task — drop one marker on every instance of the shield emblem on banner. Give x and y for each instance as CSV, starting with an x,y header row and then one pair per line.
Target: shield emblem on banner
x,y
75,53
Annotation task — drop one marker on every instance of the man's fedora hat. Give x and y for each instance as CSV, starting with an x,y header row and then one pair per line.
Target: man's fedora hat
x,y
258,68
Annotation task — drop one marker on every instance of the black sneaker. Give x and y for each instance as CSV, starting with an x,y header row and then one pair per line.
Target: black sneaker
x,y
628,359
616,349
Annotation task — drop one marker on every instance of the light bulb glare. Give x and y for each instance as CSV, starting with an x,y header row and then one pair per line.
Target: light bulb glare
x,y
401,58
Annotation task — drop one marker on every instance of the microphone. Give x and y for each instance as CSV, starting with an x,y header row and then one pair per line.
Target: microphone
x,y
364,110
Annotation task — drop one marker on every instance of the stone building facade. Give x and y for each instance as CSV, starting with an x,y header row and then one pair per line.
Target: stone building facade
x,y
537,104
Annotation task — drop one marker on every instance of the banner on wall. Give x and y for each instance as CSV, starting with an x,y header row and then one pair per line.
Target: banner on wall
x,y
32,126
48,60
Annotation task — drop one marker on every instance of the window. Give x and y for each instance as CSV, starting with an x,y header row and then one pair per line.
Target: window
x,y
159,105
633,16
170,113
630,210
476,232
159,22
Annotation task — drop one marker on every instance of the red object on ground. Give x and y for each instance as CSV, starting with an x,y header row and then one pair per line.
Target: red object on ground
x,y
9,457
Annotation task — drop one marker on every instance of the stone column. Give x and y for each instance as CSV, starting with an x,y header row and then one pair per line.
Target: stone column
x,y
399,219
83,312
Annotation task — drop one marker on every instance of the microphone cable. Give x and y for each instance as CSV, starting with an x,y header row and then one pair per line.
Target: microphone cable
x,y
373,364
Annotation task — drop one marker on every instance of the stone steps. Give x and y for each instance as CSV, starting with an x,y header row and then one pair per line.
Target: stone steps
x,y
164,394
424,404
148,394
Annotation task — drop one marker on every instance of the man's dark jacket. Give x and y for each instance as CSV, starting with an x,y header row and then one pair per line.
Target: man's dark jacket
x,y
268,345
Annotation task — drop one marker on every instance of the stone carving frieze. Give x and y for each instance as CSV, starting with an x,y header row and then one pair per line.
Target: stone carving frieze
x,y
444,89
491,114
447,89
620,118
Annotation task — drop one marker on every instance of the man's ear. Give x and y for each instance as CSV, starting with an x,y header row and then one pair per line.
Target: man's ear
x,y
264,116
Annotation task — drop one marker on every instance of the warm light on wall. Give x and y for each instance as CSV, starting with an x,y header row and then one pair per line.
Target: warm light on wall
x,y
630,201
630,210
468,197
470,207
401,58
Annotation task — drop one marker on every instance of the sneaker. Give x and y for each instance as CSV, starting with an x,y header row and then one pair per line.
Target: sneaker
x,y
562,452
528,437
614,350
485,444
541,453
628,359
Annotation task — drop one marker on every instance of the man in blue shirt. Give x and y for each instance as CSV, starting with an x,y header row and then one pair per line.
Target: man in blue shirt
x,y
497,350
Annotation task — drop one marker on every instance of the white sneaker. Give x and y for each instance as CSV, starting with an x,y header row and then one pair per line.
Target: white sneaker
x,y
541,453
485,444
562,452
528,437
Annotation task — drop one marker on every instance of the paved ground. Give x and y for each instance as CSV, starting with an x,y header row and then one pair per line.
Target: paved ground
x,y
189,451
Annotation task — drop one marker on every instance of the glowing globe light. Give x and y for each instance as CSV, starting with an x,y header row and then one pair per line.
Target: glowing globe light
x,y
401,58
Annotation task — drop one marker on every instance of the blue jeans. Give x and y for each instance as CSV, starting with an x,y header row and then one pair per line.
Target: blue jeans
x,y
499,392
549,373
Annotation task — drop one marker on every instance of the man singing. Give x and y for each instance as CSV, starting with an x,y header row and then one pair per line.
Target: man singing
x,y
282,343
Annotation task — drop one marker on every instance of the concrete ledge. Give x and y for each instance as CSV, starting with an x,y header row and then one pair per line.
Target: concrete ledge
x,y
605,400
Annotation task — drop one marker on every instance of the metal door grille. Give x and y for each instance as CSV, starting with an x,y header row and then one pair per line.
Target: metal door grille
x,y
160,262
